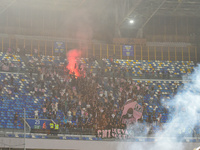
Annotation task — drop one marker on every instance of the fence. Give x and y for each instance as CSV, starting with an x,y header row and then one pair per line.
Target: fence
x,y
99,50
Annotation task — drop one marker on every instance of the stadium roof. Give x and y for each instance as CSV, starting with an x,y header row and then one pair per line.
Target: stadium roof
x,y
102,14
169,7
146,9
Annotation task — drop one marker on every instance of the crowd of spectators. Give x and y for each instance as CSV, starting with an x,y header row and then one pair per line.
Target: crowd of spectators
x,y
137,71
7,63
126,72
92,100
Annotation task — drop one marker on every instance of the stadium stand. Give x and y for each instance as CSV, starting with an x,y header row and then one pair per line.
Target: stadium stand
x,y
153,69
85,104
11,62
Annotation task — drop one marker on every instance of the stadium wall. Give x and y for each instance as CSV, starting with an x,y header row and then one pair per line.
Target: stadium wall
x,y
79,145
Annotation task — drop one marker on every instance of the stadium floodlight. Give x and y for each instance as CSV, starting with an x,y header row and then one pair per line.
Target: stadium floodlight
x,y
131,21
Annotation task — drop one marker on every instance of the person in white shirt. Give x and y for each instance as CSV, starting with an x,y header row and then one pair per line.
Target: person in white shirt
x,y
69,115
56,106
36,114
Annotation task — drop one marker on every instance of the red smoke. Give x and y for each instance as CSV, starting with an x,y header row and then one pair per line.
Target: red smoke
x,y
72,66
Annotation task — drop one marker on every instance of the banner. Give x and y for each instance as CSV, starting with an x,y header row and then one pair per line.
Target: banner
x,y
114,133
38,123
140,136
128,50
59,47
132,111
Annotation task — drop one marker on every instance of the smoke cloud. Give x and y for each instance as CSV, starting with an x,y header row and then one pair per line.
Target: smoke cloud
x,y
183,108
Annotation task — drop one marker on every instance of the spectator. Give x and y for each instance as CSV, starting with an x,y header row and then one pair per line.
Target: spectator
x,y
18,51
11,80
159,119
36,113
35,53
44,111
15,119
44,126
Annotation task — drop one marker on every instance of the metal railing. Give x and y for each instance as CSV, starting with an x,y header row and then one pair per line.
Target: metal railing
x,y
45,46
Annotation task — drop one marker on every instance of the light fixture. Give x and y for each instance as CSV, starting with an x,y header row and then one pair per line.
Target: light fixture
x,y
131,21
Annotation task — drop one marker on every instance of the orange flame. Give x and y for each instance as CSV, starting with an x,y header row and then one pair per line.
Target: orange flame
x,y
72,66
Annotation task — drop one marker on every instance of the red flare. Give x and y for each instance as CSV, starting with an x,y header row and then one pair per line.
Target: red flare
x,y
72,66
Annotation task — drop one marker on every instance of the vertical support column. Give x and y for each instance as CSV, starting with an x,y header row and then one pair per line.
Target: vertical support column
x,y
100,51
66,46
31,21
155,52
52,48
107,51
31,48
9,42
134,52
141,53
16,43
195,53
78,45
45,48
148,53
120,51
43,22
7,24
24,44
168,54
114,49
187,27
176,30
122,54
86,49
189,52
93,49
175,55
165,30
182,53
38,48
2,44
87,52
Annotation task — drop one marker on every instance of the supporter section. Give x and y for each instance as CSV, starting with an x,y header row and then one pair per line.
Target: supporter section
x,y
155,69
93,101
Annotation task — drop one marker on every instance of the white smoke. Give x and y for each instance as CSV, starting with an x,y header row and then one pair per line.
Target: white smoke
x,y
185,116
